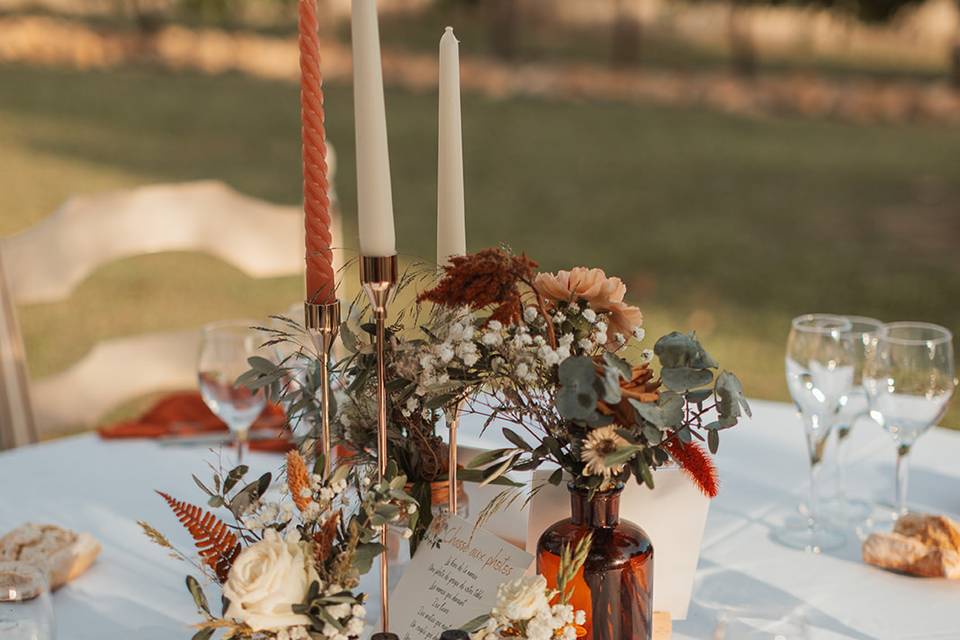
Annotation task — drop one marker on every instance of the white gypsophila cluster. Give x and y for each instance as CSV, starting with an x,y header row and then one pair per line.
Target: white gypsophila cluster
x,y
293,633
261,514
350,616
524,611
428,365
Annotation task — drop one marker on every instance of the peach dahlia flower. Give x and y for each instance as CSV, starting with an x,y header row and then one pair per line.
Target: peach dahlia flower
x,y
599,291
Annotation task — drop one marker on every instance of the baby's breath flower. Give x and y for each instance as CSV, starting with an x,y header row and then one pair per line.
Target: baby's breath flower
x,y
589,315
530,314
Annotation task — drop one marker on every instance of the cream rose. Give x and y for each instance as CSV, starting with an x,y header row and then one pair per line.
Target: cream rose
x,y
266,579
522,599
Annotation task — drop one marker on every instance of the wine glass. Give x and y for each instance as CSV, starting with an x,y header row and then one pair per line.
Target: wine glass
x,y
909,379
26,612
820,373
224,350
853,407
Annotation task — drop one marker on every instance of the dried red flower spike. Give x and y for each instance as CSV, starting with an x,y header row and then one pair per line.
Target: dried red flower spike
x,y
489,278
697,464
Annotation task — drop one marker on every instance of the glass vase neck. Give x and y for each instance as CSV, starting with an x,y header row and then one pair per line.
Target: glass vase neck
x,y
602,509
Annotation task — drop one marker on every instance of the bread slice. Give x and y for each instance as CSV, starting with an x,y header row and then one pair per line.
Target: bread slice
x,y
64,554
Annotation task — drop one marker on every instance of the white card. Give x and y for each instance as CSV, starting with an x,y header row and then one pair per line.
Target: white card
x,y
452,579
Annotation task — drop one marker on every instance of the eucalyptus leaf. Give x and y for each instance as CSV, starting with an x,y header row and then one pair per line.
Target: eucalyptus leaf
x,y
731,400
204,634
487,457
556,477
617,363
515,438
621,455
682,350
713,440
196,591
683,379
577,397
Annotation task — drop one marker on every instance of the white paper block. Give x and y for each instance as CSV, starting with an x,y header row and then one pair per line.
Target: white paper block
x,y
673,515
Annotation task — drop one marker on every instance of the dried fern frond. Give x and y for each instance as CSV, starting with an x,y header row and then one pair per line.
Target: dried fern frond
x,y
218,546
298,479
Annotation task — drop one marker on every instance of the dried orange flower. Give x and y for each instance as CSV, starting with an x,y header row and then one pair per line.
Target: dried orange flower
x,y
641,387
298,479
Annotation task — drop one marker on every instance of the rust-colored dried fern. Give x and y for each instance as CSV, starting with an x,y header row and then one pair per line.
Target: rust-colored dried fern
x,y
218,545
324,539
298,479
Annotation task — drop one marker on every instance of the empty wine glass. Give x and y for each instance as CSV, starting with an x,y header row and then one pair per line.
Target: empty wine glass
x,y
26,612
853,407
820,373
224,350
909,379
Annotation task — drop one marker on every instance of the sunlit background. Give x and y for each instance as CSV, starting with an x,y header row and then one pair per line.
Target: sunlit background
x,y
736,163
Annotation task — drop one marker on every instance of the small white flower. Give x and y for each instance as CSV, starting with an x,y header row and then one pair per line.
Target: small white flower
x,y
530,314
586,344
406,533
412,403
565,340
580,617
495,325
491,339
445,352
339,610
639,333
620,338
559,318
329,630
600,338
355,626
601,327
522,370
358,611
470,359
589,315
646,356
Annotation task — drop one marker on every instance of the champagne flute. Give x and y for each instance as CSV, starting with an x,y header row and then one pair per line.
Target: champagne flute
x,y
820,373
224,350
853,407
910,378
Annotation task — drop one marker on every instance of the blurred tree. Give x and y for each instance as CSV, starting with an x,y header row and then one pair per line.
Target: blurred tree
x,y
743,51
503,20
626,35
213,11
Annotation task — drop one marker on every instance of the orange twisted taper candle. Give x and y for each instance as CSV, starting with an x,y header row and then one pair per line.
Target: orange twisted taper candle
x,y
316,202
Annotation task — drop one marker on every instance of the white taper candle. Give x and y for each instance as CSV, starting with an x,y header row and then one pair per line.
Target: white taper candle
x,y
374,195
451,226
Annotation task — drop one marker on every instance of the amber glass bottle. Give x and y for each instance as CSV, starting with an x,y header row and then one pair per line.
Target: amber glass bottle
x,y
615,585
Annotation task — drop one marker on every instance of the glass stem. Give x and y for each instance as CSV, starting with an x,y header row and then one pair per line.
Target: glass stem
x,y
903,474
241,445
817,434
843,431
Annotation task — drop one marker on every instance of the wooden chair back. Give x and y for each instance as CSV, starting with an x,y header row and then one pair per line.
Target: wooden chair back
x,y
259,238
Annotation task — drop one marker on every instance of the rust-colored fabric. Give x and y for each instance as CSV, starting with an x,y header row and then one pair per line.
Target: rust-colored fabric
x,y
184,413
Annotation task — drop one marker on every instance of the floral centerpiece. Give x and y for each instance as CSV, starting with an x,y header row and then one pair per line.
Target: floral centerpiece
x,y
554,348
289,568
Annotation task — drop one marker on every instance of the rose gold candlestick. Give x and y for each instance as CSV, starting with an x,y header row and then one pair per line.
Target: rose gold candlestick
x,y
453,421
323,323
378,274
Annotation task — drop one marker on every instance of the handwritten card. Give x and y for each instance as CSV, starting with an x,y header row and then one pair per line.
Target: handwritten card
x,y
452,579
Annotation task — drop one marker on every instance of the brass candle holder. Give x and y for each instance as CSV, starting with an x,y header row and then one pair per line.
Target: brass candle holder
x,y
378,275
323,324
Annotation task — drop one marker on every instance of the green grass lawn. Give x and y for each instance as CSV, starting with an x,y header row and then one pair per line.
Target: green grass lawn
x,y
726,225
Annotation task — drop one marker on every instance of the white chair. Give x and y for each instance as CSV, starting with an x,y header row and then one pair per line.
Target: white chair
x,y
261,239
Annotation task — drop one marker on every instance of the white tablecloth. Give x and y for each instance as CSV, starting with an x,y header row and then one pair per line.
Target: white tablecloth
x,y
136,591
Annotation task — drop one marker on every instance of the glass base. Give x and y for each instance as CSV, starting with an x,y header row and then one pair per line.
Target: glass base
x,y
844,512
796,533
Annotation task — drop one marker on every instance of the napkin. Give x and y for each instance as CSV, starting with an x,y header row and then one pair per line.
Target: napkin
x,y
184,413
